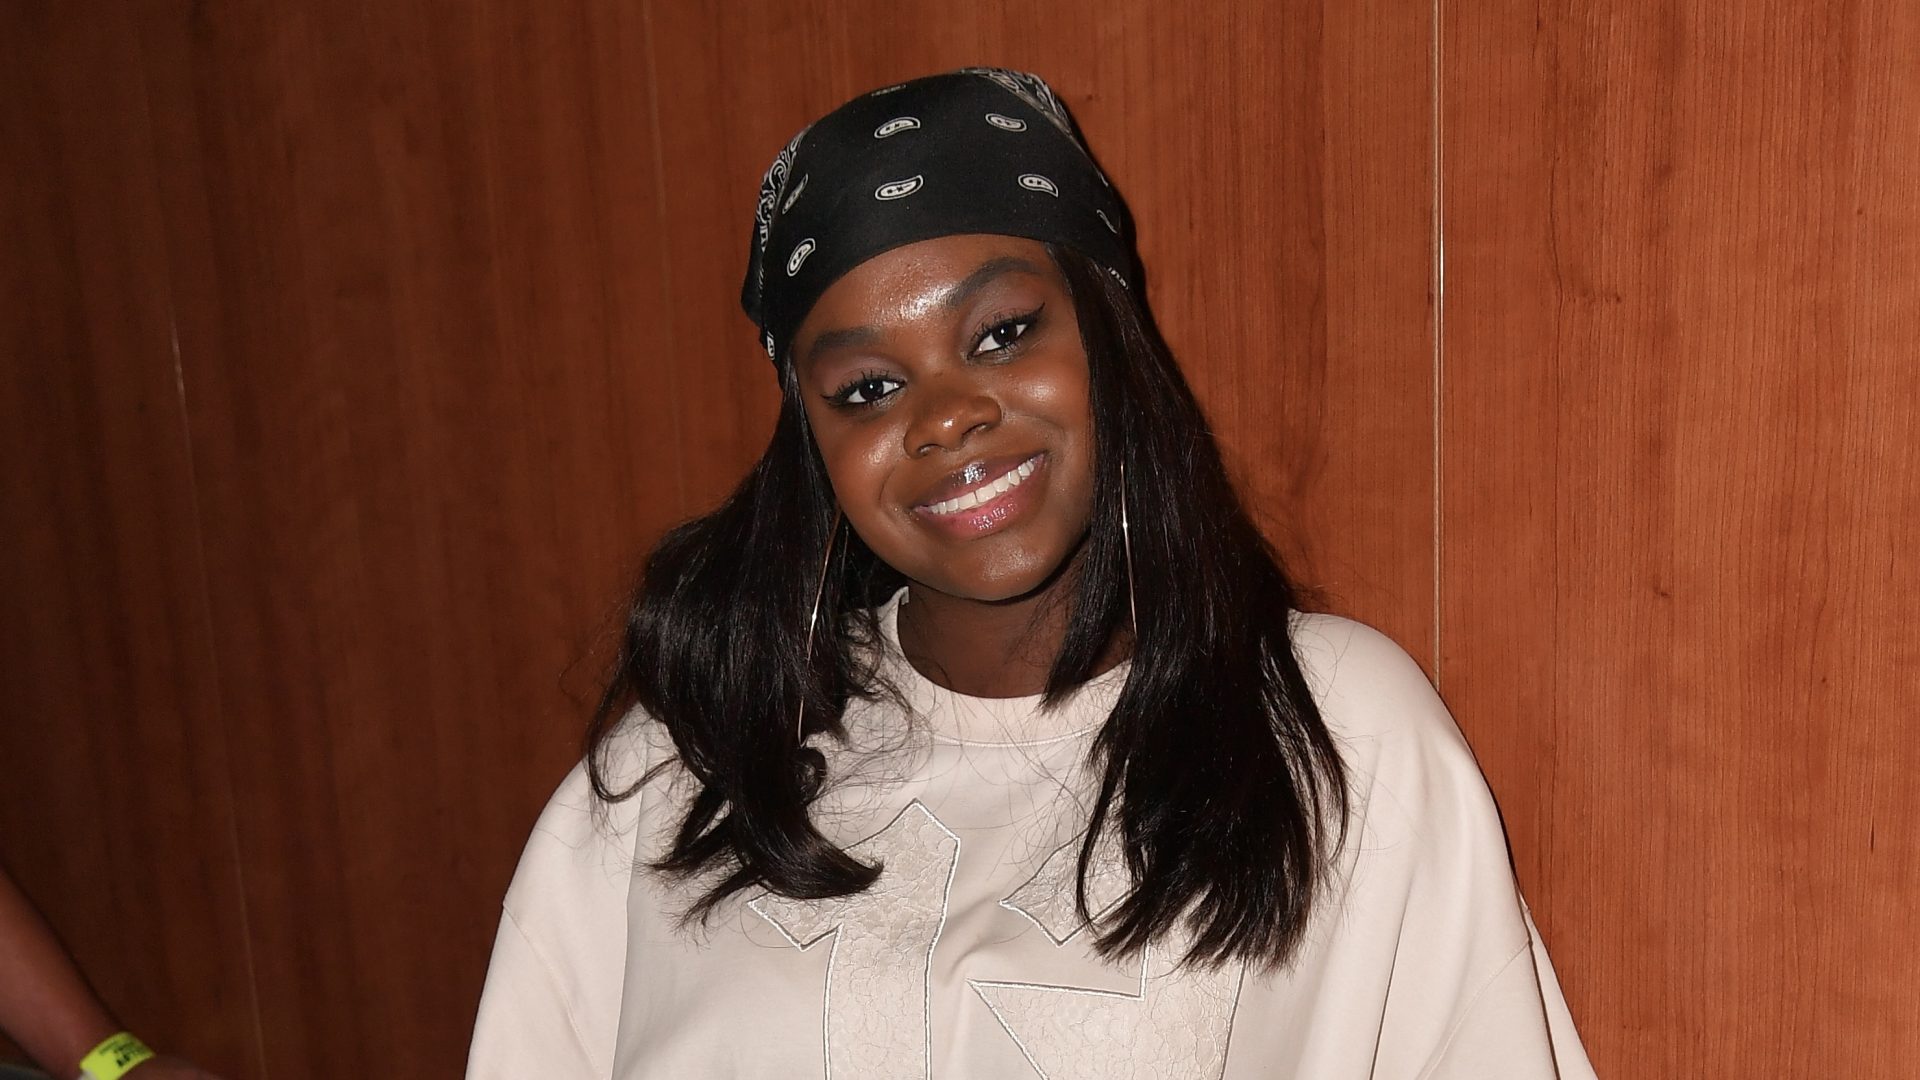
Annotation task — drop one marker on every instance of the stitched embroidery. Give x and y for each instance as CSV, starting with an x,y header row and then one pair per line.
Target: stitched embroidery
x,y
1175,1025
877,1012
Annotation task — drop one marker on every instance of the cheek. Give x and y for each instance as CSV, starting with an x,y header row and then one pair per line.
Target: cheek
x,y
1059,384
860,461
1061,401
1058,379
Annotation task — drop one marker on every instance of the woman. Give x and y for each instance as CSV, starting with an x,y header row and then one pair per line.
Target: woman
x,y
978,732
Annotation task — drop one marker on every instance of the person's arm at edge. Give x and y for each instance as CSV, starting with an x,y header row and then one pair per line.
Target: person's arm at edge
x,y
45,1003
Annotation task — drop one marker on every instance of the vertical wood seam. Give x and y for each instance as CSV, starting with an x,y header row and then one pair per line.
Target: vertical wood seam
x,y
665,251
1439,280
203,579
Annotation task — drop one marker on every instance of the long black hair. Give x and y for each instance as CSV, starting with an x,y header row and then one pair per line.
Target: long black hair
x,y
1219,781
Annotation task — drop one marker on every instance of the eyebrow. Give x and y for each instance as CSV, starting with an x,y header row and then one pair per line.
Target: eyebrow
x,y
987,271
952,298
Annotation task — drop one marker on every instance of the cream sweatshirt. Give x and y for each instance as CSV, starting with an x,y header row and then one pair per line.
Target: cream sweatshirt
x,y
966,958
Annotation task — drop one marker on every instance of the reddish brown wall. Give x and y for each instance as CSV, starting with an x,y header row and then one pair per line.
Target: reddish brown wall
x,y
357,350
1680,386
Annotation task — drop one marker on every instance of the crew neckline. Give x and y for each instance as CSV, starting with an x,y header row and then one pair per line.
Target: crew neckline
x,y
954,717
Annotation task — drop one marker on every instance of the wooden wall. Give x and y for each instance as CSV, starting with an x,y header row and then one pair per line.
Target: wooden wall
x,y
1680,421
355,352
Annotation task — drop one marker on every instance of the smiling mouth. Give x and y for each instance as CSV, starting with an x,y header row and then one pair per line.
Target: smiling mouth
x,y
986,492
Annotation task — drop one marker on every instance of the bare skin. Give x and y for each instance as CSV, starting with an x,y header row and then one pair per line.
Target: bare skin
x,y
946,385
45,1004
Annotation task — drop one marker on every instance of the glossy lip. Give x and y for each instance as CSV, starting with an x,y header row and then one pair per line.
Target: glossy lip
x,y
989,516
956,483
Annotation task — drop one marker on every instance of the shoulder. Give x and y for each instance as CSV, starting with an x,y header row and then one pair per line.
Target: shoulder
x,y
1427,879
584,845
550,1004
1408,762
1365,684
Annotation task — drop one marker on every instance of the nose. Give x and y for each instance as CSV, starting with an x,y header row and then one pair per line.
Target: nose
x,y
950,410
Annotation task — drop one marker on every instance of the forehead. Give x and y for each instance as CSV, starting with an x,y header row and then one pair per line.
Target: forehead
x,y
924,278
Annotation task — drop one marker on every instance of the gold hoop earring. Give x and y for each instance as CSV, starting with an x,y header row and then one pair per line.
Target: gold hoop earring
x,y
1126,545
800,720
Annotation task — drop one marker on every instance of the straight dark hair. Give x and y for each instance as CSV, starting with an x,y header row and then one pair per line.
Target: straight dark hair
x,y
1219,781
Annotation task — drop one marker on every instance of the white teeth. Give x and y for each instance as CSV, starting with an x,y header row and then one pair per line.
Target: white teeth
x,y
1008,480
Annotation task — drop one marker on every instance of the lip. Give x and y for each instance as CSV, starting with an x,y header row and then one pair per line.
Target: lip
x,y
988,516
983,471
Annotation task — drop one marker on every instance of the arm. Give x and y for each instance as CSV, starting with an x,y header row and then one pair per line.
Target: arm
x,y
551,1003
1468,993
45,1003
528,1023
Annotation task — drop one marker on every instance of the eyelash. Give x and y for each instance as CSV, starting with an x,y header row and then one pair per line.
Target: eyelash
x,y
844,397
1027,321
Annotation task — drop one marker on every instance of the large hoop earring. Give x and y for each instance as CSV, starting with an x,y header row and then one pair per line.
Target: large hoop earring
x,y
813,617
1126,545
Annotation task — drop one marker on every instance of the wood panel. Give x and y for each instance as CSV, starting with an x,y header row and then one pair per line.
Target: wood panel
x,y
452,335
356,350
1276,158
116,814
1683,265
433,426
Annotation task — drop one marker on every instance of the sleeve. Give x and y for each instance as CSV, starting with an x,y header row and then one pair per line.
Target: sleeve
x,y
1523,996
1468,991
550,1008
1568,1053
526,1026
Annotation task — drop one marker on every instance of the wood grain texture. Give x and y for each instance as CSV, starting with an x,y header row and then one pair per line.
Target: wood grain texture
x,y
440,301
1683,265
456,337
116,815
355,351
1276,159
432,426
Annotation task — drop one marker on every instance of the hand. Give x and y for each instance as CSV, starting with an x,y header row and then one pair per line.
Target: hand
x,y
167,1067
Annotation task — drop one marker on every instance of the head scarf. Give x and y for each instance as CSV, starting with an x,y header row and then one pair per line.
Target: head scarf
x,y
979,150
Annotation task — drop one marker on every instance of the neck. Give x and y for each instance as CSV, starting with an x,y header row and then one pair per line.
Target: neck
x,y
993,648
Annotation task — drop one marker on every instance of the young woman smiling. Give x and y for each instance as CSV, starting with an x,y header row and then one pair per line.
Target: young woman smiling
x,y
979,733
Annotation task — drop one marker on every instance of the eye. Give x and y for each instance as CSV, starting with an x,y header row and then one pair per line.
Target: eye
x,y
1003,334
865,389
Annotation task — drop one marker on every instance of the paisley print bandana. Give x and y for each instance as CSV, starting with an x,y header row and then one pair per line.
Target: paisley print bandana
x,y
978,150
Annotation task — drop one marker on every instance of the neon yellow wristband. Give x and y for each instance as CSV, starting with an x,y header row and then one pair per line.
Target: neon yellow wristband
x,y
113,1057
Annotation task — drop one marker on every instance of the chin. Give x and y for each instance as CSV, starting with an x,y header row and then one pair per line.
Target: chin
x,y
1002,593
1008,576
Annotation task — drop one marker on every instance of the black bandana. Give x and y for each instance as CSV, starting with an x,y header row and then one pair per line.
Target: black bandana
x,y
979,150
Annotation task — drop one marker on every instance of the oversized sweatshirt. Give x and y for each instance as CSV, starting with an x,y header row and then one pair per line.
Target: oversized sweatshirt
x,y
967,958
